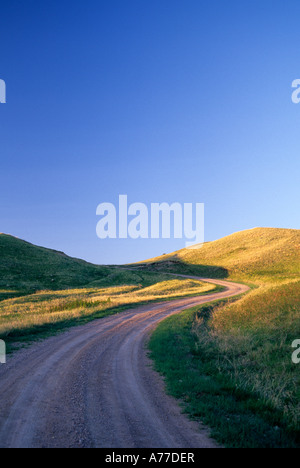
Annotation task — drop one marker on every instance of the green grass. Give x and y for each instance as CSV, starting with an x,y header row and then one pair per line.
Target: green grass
x,y
26,268
198,372
255,336
246,344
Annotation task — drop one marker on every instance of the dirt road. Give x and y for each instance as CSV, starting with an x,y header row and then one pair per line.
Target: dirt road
x,y
93,386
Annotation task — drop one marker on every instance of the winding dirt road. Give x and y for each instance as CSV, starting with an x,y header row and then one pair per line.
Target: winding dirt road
x,y
93,386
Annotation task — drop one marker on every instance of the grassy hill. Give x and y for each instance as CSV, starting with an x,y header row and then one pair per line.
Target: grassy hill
x,y
234,359
258,255
28,268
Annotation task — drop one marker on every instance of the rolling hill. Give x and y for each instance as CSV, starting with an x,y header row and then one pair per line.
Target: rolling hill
x,y
27,268
258,255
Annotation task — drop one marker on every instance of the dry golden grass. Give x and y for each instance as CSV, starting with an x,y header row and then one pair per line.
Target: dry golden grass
x,y
52,307
260,255
252,340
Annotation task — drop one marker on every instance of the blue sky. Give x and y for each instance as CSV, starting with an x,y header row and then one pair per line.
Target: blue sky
x,y
162,101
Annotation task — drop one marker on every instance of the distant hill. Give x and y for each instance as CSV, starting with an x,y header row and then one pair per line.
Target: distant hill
x,y
260,253
257,253
26,267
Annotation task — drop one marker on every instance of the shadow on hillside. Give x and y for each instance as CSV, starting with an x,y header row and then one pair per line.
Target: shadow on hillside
x,y
175,265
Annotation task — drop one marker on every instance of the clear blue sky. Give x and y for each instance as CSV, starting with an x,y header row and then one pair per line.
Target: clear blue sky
x,y
163,100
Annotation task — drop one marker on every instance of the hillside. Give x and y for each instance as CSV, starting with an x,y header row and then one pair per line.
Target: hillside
x,y
28,268
261,254
241,350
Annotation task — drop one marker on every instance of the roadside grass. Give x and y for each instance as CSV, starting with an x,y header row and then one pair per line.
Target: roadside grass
x,y
209,374
44,313
254,339
238,355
